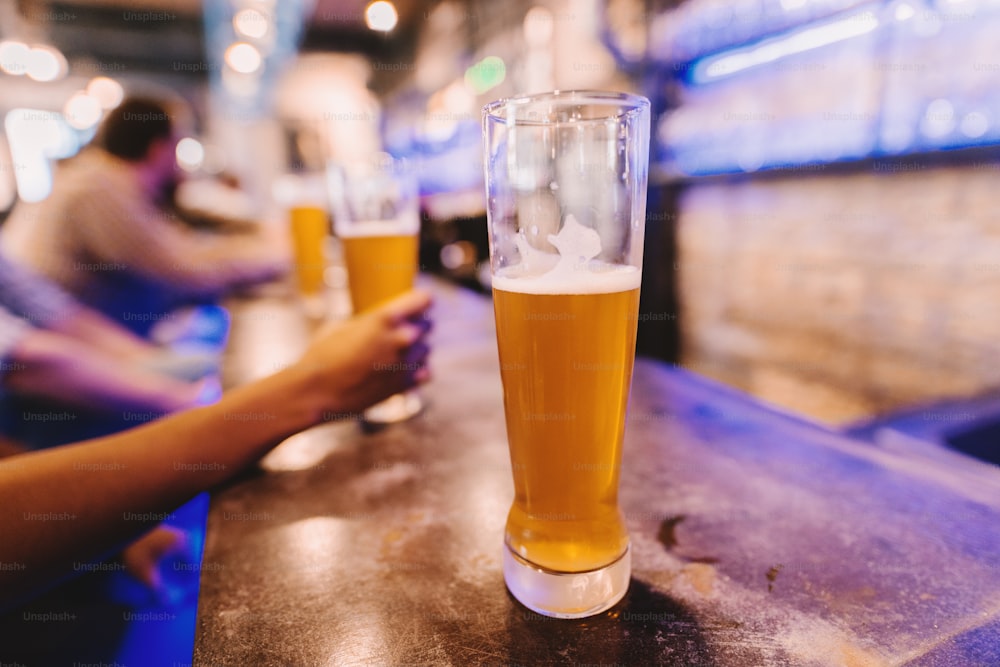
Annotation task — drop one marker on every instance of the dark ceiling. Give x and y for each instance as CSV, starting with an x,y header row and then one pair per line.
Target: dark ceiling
x,y
166,37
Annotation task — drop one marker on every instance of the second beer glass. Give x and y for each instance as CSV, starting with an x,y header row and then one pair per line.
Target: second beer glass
x,y
566,177
376,215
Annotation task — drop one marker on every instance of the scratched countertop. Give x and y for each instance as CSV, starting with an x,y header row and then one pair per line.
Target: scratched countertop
x,y
758,538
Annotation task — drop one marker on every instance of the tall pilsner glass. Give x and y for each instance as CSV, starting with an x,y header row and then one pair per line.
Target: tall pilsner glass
x,y
376,214
566,180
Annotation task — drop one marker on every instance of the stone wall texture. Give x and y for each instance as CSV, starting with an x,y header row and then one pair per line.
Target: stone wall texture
x,y
842,296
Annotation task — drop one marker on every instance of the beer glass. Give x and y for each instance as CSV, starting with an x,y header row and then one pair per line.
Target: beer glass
x,y
376,215
566,177
305,200
309,231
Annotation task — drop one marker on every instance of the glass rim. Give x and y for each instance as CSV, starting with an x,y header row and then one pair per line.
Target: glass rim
x,y
630,103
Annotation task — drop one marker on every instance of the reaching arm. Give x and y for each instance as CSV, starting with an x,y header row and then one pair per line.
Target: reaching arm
x,y
47,306
118,225
55,366
75,503
90,327
11,447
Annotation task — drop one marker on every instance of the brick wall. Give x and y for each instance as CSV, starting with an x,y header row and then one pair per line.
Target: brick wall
x,y
842,296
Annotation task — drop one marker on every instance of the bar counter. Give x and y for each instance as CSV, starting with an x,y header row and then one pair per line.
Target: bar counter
x,y
757,538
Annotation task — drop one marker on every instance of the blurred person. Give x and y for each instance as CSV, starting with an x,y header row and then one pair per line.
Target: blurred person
x,y
52,347
58,367
154,468
110,232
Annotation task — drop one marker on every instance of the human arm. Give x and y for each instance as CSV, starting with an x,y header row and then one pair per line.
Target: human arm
x,y
46,305
94,329
95,489
55,366
11,447
116,224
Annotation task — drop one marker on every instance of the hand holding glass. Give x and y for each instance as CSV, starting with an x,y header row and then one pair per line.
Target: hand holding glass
x,y
376,215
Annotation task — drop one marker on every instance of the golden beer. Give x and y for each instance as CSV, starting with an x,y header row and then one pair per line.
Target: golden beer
x,y
566,365
309,232
566,175
379,267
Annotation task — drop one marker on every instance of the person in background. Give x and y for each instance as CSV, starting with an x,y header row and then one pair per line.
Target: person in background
x,y
63,369
111,235
54,348
153,468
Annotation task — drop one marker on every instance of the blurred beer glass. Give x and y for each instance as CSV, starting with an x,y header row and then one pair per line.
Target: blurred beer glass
x,y
310,228
566,177
376,215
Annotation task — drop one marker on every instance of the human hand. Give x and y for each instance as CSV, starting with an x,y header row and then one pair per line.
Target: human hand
x,y
270,257
144,558
357,363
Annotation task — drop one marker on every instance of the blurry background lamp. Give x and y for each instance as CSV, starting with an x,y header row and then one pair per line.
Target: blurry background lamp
x,y
82,111
243,58
41,133
45,63
108,92
905,12
975,124
190,154
486,74
800,41
35,136
939,119
250,23
381,16
14,57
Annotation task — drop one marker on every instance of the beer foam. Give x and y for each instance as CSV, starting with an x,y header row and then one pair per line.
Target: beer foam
x,y
573,271
368,228
598,278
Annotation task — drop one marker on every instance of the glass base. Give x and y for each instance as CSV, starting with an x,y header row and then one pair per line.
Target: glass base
x,y
395,408
566,595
